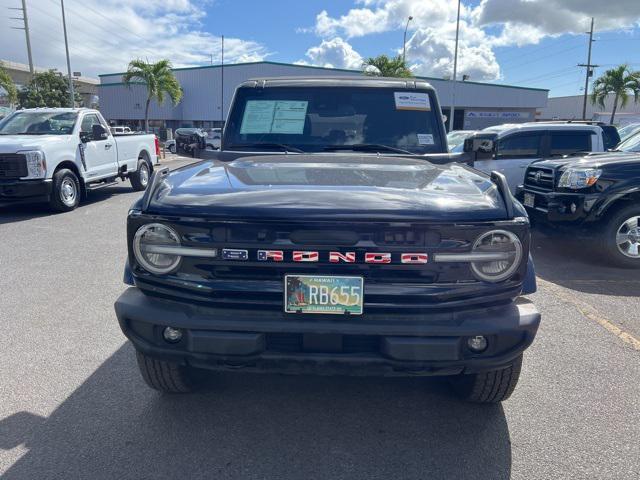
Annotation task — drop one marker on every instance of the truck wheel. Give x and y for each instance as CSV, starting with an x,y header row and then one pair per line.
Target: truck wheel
x,y
166,376
65,195
620,240
488,387
140,178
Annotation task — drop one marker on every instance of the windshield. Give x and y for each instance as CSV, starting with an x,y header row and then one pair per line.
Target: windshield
x,y
628,130
457,137
631,144
315,119
39,123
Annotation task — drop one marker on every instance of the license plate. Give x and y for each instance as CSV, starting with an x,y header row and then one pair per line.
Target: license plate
x,y
529,200
323,294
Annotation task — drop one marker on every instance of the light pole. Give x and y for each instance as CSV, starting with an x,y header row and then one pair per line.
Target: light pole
x,y
455,71
66,47
404,39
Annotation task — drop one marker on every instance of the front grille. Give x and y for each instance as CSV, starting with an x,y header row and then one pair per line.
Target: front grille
x,y
540,178
13,165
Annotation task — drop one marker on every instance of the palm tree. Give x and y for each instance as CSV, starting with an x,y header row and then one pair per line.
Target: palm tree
x,y
159,80
7,83
383,66
619,81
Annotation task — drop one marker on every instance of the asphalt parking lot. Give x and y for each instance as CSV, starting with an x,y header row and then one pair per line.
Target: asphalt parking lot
x,y
72,403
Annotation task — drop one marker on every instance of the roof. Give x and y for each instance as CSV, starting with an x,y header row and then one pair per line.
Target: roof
x,y
534,126
326,81
264,62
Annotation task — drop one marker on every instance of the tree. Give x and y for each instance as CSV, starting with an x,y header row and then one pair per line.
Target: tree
x,y
7,84
46,89
619,81
383,66
159,80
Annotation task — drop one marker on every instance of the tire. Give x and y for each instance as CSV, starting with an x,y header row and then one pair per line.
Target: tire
x,y
167,377
140,178
66,193
488,387
620,238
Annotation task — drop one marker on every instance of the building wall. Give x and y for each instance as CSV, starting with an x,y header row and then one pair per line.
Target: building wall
x,y
203,94
570,108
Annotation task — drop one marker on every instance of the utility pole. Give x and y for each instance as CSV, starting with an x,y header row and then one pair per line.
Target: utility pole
x,y
455,71
66,47
404,39
589,72
222,83
25,20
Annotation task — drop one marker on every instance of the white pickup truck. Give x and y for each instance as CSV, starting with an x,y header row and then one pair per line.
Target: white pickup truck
x,y
59,154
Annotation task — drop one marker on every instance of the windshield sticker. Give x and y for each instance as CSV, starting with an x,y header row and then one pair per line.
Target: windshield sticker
x,y
425,139
412,101
274,116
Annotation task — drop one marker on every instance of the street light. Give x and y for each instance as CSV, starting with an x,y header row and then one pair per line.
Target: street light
x,y
404,39
455,71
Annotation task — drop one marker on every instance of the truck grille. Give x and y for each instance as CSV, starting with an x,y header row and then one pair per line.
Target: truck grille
x,y
540,178
13,165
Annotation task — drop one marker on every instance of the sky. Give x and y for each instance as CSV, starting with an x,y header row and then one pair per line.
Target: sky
x,y
536,43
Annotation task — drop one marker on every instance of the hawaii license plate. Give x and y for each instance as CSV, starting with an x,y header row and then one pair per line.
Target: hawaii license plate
x,y
529,200
323,294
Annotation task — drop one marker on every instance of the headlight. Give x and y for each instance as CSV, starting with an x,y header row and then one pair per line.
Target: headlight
x,y
153,247
500,251
576,178
36,164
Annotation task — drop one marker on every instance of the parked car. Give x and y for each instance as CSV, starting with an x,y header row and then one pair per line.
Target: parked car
x,y
628,130
120,130
301,252
209,143
518,145
456,138
596,196
58,155
214,138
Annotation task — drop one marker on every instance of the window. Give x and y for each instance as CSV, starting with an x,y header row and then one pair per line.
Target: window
x,y
519,146
317,118
566,143
88,122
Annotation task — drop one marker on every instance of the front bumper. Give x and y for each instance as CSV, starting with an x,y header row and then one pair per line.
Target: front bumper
x,y
25,191
431,344
554,207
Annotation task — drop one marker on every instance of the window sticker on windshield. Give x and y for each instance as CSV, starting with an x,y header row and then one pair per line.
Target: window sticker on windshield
x,y
425,139
274,116
412,101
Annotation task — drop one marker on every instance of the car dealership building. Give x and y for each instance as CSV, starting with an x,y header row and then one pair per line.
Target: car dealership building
x,y
208,92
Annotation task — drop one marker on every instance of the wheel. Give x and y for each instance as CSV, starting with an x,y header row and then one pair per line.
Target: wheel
x,y
172,148
620,238
166,376
140,178
65,195
488,387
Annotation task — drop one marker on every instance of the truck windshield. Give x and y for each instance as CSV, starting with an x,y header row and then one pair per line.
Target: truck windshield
x,y
317,119
39,123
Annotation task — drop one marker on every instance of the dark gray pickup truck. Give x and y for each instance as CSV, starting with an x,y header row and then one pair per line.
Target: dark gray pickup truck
x,y
333,235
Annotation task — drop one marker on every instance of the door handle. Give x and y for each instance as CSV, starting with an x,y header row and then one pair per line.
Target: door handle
x,y
107,146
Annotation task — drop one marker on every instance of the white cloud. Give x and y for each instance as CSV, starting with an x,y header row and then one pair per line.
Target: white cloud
x,y
104,35
334,53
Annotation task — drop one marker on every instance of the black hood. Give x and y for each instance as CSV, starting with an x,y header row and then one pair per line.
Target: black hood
x,y
329,186
593,160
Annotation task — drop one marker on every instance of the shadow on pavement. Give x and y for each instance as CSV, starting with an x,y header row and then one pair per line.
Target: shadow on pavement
x,y
574,263
260,426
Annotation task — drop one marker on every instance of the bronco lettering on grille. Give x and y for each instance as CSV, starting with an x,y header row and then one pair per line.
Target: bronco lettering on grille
x,y
312,256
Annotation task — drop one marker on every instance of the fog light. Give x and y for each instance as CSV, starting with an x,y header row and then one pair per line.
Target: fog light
x,y
477,344
172,335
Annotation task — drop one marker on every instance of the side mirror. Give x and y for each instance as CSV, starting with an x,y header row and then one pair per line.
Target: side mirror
x,y
99,132
479,145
